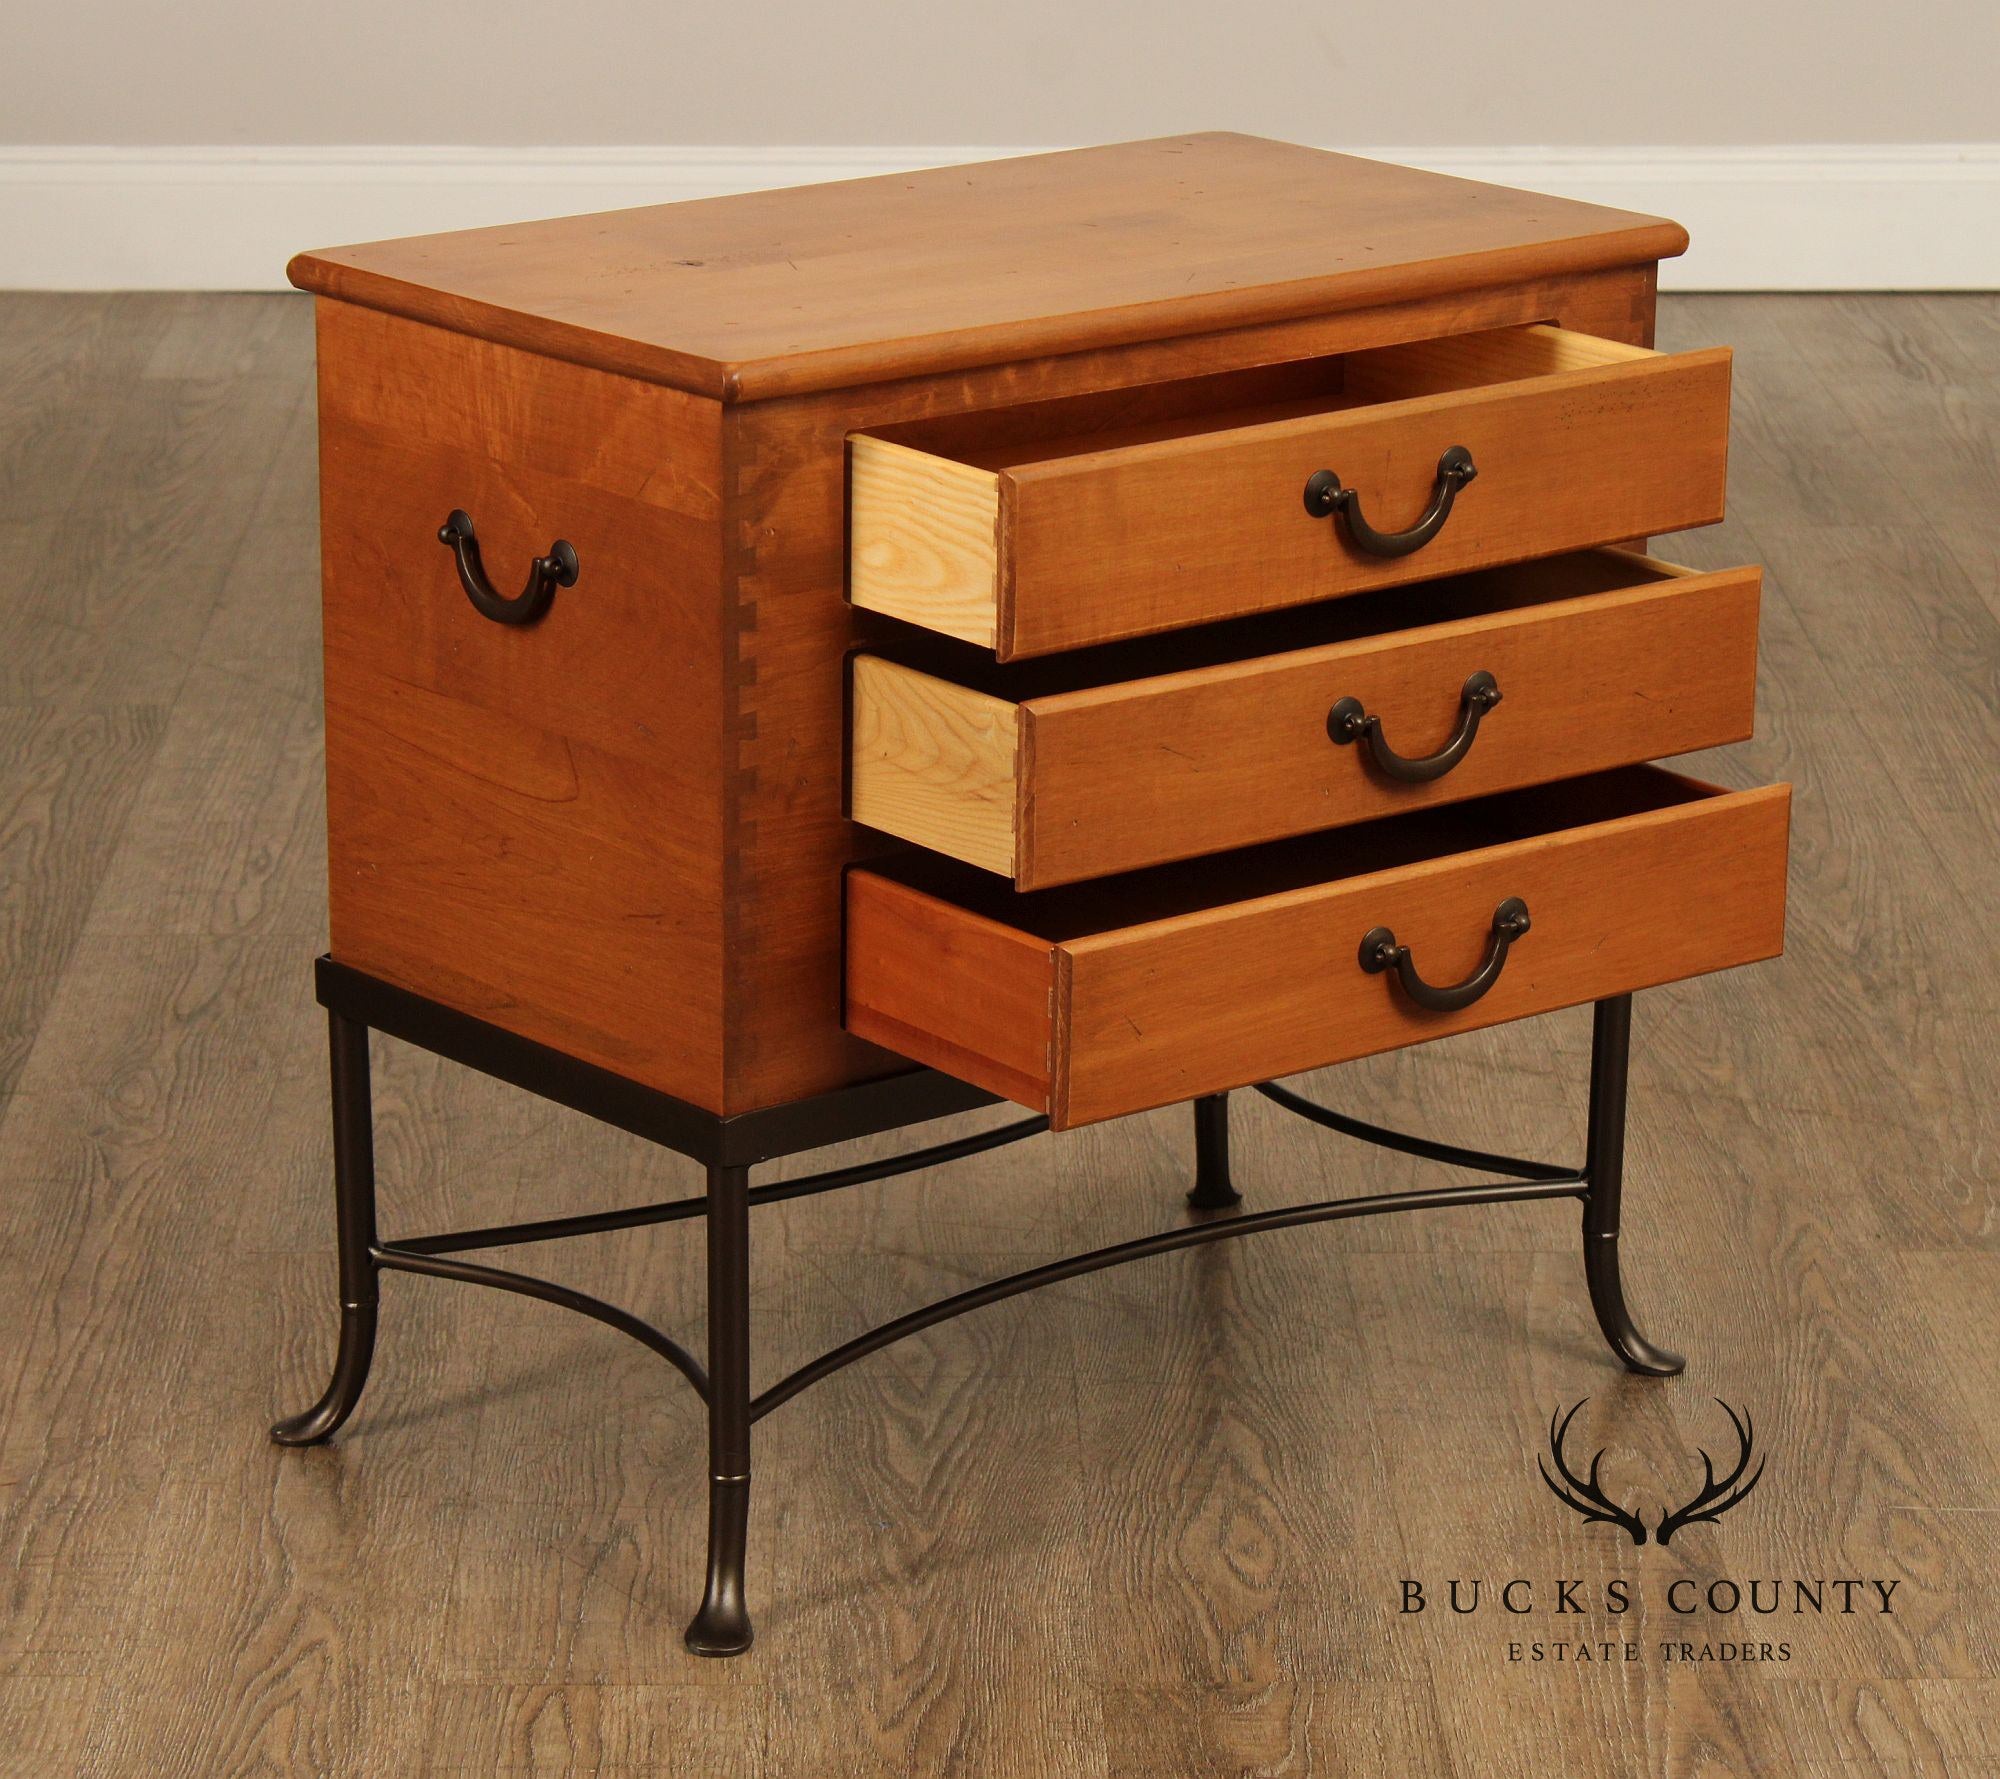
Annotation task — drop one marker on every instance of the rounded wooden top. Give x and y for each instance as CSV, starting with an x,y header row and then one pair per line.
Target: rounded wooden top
x,y
860,281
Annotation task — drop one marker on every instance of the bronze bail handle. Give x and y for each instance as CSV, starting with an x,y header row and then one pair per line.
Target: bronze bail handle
x,y
1380,952
1348,722
1325,498
559,568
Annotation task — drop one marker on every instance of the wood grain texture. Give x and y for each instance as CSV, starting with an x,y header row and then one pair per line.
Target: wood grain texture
x,y
1149,1523
79,628
935,762
526,822
1578,442
72,780
1177,984
926,539
785,472
860,281
1645,663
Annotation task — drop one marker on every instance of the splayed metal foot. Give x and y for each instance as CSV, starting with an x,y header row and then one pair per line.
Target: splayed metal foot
x,y
354,1219
1604,1169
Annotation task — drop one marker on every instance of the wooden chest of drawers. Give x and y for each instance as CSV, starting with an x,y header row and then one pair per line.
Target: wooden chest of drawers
x,y
622,830
1112,627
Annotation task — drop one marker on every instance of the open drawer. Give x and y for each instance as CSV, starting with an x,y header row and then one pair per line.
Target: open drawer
x,y
1136,991
1031,530
1115,758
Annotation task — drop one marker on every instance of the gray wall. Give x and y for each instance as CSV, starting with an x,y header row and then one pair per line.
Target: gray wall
x,y
756,72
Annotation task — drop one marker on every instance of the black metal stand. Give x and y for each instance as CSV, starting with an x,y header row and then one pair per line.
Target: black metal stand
x,y
728,1147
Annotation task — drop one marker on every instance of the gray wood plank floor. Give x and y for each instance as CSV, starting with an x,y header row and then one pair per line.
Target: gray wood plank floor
x,y
1154,1522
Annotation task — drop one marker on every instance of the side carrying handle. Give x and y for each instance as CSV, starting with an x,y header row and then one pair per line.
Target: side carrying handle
x,y
558,568
1325,496
1380,952
1348,722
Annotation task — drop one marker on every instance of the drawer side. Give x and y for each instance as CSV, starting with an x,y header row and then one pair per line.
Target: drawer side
x,y
934,762
951,988
923,539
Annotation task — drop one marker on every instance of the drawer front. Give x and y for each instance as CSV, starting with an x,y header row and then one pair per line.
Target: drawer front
x,y
1053,789
1576,442
1057,1002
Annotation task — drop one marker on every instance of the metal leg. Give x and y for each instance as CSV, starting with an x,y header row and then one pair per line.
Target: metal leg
x,y
1213,1190
722,1626
354,1212
1604,1169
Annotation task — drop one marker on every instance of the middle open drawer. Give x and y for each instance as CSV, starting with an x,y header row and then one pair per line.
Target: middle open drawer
x,y
1134,754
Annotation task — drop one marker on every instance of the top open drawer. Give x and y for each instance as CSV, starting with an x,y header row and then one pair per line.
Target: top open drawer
x,y
1053,527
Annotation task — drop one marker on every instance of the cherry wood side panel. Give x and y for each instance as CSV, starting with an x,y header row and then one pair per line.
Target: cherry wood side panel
x,y
1194,1005
1125,776
861,281
787,721
1124,543
526,823
962,993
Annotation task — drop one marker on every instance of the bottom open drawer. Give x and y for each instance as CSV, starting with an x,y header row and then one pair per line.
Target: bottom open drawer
x,y
1108,997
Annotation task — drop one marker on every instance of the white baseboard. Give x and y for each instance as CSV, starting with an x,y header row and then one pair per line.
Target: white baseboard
x,y
1921,216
